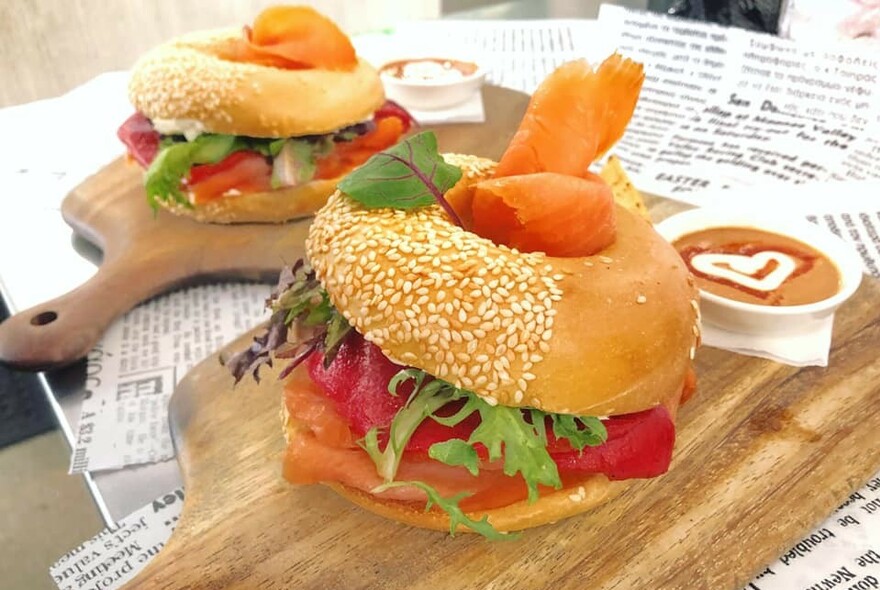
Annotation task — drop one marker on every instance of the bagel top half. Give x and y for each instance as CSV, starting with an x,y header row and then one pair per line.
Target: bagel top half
x,y
183,83
606,334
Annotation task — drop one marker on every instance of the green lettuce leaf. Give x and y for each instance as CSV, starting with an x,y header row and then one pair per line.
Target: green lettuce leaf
x,y
580,431
506,434
407,175
456,452
515,436
174,161
450,506
177,156
424,401
297,160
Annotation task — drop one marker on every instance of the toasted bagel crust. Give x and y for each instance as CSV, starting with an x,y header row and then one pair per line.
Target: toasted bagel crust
x,y
275,206
183,79
606,334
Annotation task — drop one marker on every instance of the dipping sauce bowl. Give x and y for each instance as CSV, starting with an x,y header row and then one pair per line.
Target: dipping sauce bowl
x,y
760,274
431,83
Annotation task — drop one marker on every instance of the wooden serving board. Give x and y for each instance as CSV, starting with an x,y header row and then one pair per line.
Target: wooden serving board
x,y
146,255
764,453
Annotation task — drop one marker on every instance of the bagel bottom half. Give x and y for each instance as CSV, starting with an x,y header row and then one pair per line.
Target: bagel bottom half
x,y
549,508
277,206
589,493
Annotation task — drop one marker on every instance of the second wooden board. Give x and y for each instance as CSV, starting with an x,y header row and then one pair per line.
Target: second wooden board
x,y
147,254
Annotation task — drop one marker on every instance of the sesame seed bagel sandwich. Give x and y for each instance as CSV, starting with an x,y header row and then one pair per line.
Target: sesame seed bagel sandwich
x,y
486,347
256,125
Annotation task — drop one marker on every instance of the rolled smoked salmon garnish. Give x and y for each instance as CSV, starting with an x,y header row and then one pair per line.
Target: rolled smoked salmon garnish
x,y
575,116
554,213
543,197
293,38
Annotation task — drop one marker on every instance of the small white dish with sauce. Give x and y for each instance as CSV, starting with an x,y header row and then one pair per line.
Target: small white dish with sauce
x,y
764,319
431,82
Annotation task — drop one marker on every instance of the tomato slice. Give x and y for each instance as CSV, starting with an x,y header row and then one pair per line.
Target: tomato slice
x,y
140,138
249,171
244,171
392,109
351,154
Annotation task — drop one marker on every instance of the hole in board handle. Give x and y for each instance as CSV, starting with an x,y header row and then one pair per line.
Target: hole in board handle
x,y
47,317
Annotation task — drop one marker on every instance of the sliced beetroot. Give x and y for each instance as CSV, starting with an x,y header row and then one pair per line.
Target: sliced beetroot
x,y
357,381
638,445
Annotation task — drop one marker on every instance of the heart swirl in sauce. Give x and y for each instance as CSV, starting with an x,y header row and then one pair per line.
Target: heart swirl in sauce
x,y
741,269
756,266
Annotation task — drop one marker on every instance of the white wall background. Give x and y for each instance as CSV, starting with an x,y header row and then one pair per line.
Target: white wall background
x,y
50,46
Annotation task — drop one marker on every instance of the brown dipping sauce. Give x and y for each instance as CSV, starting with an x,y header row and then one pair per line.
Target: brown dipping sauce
x,y
429,68
766,268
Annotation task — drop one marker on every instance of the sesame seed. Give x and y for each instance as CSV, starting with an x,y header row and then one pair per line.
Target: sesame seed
x,y
641,299
471,312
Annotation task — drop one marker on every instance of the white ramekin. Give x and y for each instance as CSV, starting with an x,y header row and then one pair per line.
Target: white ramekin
x,y
769,320
432,95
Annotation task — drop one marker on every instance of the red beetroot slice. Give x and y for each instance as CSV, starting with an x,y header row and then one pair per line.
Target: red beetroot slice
x,y
638,445
357,382
140,138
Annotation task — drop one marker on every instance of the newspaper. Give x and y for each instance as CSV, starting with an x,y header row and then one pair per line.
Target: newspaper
x,y
131,373
706,87
862,162
117,554
695,68
843,552
727,108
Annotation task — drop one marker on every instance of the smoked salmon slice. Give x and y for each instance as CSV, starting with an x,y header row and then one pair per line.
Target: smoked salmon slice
x,y
574,116
561,215
542,196
293,37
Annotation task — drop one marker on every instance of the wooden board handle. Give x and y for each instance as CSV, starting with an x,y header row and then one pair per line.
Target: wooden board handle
x,y
60,331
